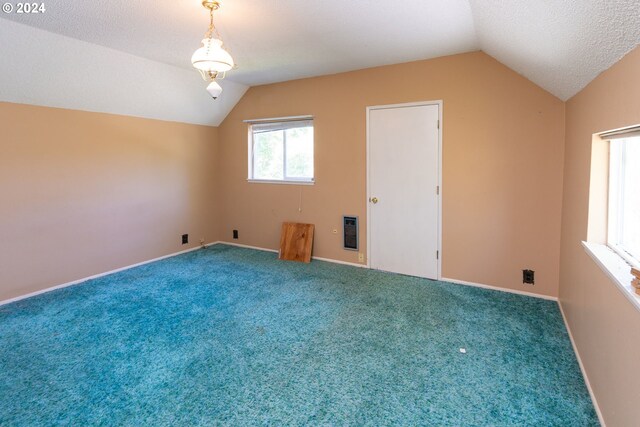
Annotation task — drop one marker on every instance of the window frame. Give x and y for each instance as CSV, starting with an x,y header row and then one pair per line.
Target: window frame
x,y
285,123
613,263
616,190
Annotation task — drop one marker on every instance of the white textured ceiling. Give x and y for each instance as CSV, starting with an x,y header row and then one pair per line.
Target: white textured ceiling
x,y
559,44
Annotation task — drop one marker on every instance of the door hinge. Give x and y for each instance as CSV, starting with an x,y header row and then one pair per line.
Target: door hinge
x,y
438,123
437,254
437,189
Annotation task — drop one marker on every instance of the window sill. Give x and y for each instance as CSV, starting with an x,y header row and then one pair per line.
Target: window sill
x,y
616,268
268,181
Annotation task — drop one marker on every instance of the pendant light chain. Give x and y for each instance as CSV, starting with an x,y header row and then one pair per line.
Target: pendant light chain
x,y
212,28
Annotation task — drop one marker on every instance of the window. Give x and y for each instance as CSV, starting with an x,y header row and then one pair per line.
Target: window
x,y
281,151
613,229
623,234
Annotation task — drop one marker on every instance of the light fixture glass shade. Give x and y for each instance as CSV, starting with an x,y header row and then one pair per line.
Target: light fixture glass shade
x,y
211,57
214,89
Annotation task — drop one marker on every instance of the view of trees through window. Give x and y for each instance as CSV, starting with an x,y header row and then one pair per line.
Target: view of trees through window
x,y
268,155
283,154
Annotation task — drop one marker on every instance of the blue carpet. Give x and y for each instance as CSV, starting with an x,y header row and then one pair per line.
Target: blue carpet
x,y
231,336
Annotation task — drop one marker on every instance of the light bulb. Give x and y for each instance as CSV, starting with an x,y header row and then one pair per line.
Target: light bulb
x,y
214,89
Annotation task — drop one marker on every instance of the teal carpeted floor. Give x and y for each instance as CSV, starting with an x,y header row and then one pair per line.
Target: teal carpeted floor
x,y
231,336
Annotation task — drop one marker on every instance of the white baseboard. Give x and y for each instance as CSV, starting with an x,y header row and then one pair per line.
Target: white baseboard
x,y
458,282
584,372
335,261
454,281
75,282
496,288
106,273
220,242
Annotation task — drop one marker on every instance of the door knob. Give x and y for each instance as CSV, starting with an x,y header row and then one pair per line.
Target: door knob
x,y
373,200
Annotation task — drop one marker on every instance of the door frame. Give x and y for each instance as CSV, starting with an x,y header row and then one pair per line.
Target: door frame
x,y
439,103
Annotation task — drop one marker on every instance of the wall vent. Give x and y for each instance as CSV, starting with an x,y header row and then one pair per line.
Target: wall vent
x,y
350,232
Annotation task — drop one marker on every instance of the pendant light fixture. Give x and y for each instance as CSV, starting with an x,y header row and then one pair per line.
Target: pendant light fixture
x,y
211,60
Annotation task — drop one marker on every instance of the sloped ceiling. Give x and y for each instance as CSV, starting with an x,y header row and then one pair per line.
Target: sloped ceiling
x,y
561,45
134,57
42,68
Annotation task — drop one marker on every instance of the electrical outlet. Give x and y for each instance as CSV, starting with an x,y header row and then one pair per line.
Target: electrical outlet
x,y
360,257
528,277
235,234
185,239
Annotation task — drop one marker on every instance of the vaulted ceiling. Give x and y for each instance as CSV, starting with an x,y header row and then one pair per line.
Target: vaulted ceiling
x,y
134,57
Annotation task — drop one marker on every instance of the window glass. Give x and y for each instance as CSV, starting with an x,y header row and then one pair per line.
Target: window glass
x,y
630,212
299,153
281,151
267,155
624,198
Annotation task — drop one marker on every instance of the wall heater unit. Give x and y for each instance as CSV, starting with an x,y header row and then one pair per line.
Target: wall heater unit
x,y
350,232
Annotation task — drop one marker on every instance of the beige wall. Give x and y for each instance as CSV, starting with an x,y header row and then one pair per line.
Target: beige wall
x,y
605,325
502,165
84,193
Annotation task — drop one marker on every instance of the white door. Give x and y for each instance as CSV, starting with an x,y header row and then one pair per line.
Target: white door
x,y
403,185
